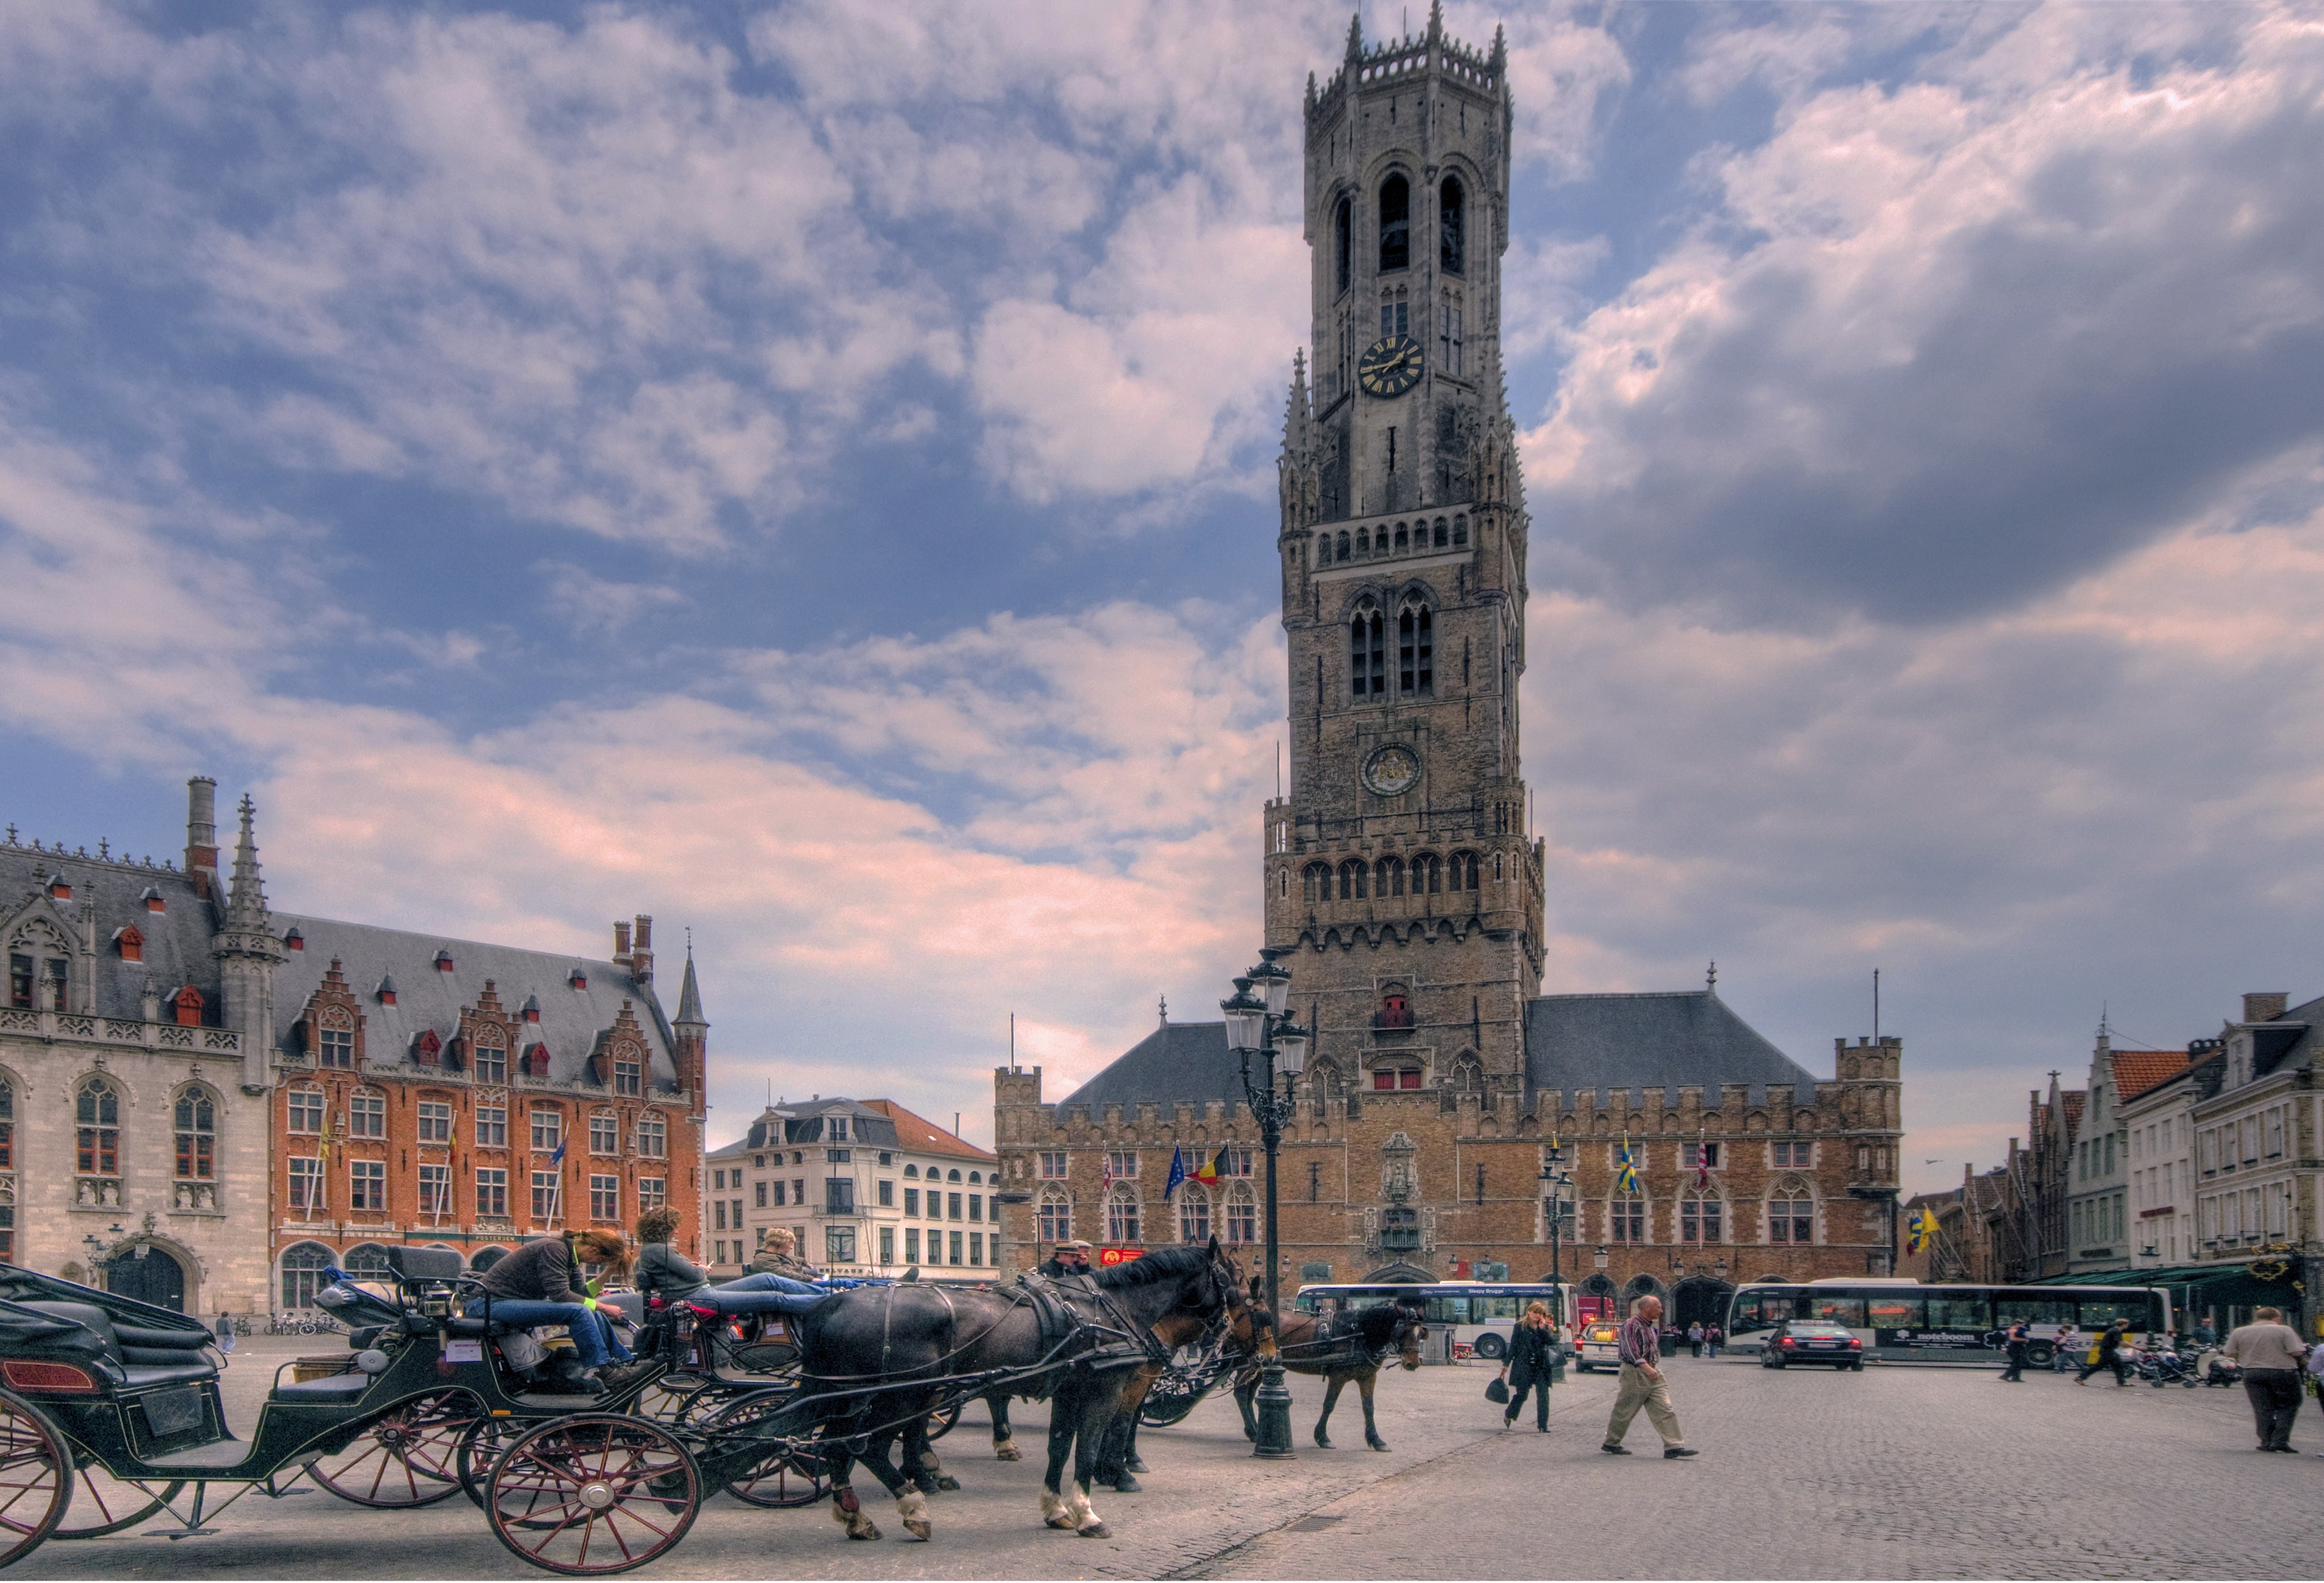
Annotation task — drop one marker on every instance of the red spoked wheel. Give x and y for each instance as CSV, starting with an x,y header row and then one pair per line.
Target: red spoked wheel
x,y
594,1494
35,1476
406,1457
788,1477
102,1504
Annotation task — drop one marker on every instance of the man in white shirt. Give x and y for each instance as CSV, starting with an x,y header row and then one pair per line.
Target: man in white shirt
x,y
2270,1353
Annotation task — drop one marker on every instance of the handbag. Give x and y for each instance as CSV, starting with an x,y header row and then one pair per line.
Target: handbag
x,y
1496,1390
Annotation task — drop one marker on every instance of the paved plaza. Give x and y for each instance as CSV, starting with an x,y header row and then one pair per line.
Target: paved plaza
x,y
1891,1473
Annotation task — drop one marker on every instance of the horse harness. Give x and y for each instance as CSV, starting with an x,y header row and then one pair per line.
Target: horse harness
x,y
1082,1324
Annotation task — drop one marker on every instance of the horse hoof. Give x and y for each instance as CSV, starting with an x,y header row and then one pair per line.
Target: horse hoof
x,y
1095,1531
1325,1441
869,1531
925,1485
1127,1485
1137,1464
1376,1445
1006,1454
945,1481
922,1530
1060,1523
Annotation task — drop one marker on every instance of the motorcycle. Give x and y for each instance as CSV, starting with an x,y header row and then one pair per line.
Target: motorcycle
x,y
2162,1365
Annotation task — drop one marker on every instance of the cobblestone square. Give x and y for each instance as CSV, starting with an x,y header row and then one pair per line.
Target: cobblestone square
x,y
1891,1473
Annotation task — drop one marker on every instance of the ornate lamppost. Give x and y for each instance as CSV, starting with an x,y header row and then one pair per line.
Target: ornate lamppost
x,y
1259,1026
1554,1180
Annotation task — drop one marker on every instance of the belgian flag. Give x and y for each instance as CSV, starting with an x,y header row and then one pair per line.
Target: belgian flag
x,y
1209,1171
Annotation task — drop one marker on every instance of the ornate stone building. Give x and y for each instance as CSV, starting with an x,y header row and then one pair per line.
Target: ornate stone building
x,y
1402,887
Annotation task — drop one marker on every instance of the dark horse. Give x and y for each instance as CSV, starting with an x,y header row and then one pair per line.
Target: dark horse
x,y
909,1339
1353,1348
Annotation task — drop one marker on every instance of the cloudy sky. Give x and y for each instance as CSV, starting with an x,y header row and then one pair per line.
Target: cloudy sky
x,y
806,471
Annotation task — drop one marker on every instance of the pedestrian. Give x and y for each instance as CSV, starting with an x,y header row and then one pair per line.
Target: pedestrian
x,y
2110,1355
1714,1338
2270,1353
1694,1337
778,1256
1533,1355
1071,1258
2204,1335
2016,1341
1643,1385
2066,1351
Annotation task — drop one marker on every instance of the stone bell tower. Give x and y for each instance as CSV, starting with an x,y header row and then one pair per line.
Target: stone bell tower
x,y
1399,875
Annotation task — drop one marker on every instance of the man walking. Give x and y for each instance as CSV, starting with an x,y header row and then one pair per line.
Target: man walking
x,y
1071,1258
2020,1335
1641,1348
2270,1353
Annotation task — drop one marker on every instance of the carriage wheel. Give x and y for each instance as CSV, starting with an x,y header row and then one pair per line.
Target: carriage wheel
x,y
406,1457
480,1446
102,1504
667,1403
592,1494
941,1420
35,1476
788,1478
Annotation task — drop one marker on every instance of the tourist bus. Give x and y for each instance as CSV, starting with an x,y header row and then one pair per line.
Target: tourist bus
x,y
1476,1314
1901,1320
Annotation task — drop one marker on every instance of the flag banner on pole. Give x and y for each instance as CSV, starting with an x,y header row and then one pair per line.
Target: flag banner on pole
x,y
1625,1168
1920,1231
1209,1171
1178,1173
1702,1160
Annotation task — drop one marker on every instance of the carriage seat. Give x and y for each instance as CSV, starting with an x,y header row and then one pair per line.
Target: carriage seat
x,y
331,1390
147,1357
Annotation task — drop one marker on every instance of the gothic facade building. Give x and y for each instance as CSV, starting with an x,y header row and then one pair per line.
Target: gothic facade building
x,y
1402,885
203,1101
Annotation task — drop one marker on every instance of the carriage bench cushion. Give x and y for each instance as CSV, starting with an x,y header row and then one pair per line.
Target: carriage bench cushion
x,y
329,1389
144,1364
461,1325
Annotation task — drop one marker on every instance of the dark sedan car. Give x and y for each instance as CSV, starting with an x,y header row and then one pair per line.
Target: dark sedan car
x,y
1812,1341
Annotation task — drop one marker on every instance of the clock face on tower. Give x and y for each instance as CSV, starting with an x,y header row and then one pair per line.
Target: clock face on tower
x,y
1390,367
1392,771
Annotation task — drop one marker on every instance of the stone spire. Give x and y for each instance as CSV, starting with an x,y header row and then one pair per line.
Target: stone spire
x,y
689,996
1356,37
1297,412
246,909
692,1050
1436,21
247,954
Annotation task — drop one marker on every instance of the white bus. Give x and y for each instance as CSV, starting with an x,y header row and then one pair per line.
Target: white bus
x,y
1477,1314
1900,1320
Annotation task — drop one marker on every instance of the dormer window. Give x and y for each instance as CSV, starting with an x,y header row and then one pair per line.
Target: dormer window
x,y
839,1129
387,990
187,1005
579,979
132,944
294,942
60,888
154,902
531,1011
426,1050
443,961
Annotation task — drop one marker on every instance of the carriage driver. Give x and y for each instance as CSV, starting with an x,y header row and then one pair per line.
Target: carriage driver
x,y
1071,1258
538,1284
777,1255
661,1268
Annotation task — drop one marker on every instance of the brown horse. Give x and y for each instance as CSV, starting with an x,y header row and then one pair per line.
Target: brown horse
x,y
1354,1348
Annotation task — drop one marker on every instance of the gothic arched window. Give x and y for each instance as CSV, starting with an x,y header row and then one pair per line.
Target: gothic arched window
x,y
335,1033
1344,237
1367,651
1315,882
302,1273
1395,224
1242,1213
1122,1215
1353,872
1403,538
1699,1217
1363,540
1389,877
1193,1213
1343,546
1451,250
490,1055
1791,1216
1626,1219
1464,872
97,1115
1427,874
1054,1220
1415,648
1459,531
1441,540
196,1122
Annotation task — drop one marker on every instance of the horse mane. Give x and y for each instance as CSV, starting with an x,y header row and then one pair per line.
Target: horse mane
x,y
1378,1324
1163,1264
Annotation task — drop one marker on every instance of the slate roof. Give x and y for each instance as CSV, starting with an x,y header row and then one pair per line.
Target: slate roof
x,y
176,947
429,1000
1177,1061
923,1136
801,1121
1652,1041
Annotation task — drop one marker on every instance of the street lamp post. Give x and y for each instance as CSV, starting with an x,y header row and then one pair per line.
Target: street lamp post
x,y
1600,1258
1259,1025
1554,1180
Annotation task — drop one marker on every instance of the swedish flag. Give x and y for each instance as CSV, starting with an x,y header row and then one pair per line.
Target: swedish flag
x,y
1625,1168
1920,1231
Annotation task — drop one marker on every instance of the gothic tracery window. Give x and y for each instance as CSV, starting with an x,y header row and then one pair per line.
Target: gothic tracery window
x,y
1791,1216
1315,882
1699,1217
1416,642
1451,217
1193,1213
1367,651
1354,873
1427,874
1389,877
196,1126
1395,224
97,1115
1626,1219
1343,227
1122,1224
1242,1213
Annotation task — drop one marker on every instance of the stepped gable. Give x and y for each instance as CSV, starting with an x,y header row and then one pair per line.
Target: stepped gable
x,y
1178,1061
109,895
1686,1038
429,999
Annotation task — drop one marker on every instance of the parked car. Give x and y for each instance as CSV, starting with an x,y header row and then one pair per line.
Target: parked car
x,y
1601,1346
1812,1341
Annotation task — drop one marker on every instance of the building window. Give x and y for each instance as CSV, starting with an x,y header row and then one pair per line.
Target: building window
x,y
1790,1218
7,1126
1367,653
955,1248
1120,1216
367,1185
839,1195
1053,1164
491,1060
1791,1156
96,1113
434,1191
1626,1219
952,1206
197,1136
912,1199
1701,1157
1464,874
1194,1215
306,1108
887,1245
839,1129
1343,226
367,1115
1449,351
761,1195
976,1247
547,1131
1053,1221
336,1039
545,1195
976,1206
627,1077
604,1198
839,1245
1237,1162
653,1192
1451,217
1121,1164
306,1195
492,1126
302,1274
1395,224
435,1121
653,1138
1387,1080
1699,1218
911,1244
1416,649
491,1195
604,1133
1242,1213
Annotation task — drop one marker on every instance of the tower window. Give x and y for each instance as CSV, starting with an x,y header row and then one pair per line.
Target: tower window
x,y
1416,640
1460,530
1395,320
1389,877
1366,654
1363,540
1403,541
1427,874
1395,224
1343,227
1450,250
1352,876
1463,876
1441,540
1315,883
1448,338
1343,546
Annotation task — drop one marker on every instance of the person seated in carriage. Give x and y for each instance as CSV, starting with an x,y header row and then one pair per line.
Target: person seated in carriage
x,y
662,1270
778,1257
540,1284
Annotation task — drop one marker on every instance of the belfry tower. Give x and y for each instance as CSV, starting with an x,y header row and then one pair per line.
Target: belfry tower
x,y
1399,876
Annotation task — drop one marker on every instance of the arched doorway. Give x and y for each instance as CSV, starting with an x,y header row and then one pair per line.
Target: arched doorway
x,y
1598,1297
148,1273
1700,1299
1401,1273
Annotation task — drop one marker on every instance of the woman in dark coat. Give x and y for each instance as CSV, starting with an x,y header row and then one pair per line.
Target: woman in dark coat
x,y
1533,1353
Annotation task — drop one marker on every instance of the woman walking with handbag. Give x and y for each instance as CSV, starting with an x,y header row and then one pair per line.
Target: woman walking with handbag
x,y
1533,1354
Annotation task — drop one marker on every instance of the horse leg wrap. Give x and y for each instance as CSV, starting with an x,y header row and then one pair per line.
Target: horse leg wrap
x,y
1007,1451
1054,1509
912,1506
849,1514
1085,1520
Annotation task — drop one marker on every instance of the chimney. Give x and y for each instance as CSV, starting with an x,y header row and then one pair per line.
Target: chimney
x,y
201,834
622,944
2264,1006
641,951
